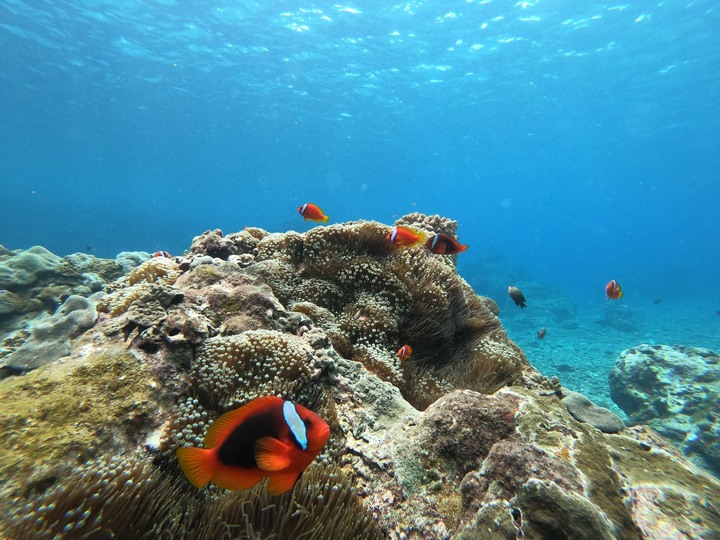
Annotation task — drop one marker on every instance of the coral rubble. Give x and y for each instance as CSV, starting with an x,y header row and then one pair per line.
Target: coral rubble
x,y
462,440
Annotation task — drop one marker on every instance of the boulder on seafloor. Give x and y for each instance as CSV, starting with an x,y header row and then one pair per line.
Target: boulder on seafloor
x,y
675,390
584,410
181,341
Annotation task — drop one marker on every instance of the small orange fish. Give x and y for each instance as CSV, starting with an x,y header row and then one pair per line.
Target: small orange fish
x,y
405,236
164,254
267,437
517,296
442,244
613,290
313,212
404,352
541,333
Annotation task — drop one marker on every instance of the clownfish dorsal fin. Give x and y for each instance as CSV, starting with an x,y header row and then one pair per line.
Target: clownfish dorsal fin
x,y
226,423
272,454
281,482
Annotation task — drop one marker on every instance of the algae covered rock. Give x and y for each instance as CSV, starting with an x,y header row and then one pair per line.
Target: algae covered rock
x,y
104,401
676,391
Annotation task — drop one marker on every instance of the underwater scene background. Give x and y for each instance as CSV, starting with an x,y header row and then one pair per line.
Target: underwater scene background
x,y
573,143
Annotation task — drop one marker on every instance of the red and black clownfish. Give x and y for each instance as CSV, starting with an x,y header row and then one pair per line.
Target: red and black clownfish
x,y
442,244
404,352
313,212
405,236
164,254
267,437
613,290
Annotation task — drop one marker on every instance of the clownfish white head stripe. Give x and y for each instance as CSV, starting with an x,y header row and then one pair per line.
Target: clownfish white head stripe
x,y
434,242
393,235
295,423
303,208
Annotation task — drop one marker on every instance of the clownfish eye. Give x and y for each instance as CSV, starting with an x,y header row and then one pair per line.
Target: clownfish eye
x,y
307,422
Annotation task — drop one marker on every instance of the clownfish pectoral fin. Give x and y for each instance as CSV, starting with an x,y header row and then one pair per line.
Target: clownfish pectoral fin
x,y
281,482
198,464
272,454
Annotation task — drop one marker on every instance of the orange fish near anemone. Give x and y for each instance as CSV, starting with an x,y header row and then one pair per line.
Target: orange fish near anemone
x,y
613,290
267,437
405,236
313,212
404,352
442,244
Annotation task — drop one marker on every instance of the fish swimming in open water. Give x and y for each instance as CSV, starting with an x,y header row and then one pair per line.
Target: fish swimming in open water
x,y
517,296
613,290
312,212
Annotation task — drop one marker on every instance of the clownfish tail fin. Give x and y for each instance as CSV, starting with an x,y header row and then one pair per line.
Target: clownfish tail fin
x,y
325,219
198,464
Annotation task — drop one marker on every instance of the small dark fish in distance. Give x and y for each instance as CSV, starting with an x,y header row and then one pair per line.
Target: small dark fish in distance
x,y
517,296
657,301
541,333
717,313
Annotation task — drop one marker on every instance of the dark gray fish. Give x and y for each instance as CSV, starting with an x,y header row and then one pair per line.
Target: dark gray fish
x,y
517,296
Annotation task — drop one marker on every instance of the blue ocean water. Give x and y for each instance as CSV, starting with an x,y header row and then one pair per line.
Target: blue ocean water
x,y
578,140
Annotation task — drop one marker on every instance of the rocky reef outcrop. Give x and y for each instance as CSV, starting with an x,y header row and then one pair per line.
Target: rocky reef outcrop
x,y
463,440
45,300
676,391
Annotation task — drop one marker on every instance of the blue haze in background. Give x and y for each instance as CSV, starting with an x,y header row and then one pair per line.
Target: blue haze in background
x,y
579,140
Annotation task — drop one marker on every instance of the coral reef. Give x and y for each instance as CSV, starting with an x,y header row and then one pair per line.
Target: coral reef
x,y
372,298
34,284
49,338
675,390
463,440
512,464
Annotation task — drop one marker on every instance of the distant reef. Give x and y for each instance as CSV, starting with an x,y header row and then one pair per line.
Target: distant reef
x,y
110,365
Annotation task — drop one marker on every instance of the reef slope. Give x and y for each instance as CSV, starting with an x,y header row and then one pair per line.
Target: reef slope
x,y
463,440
